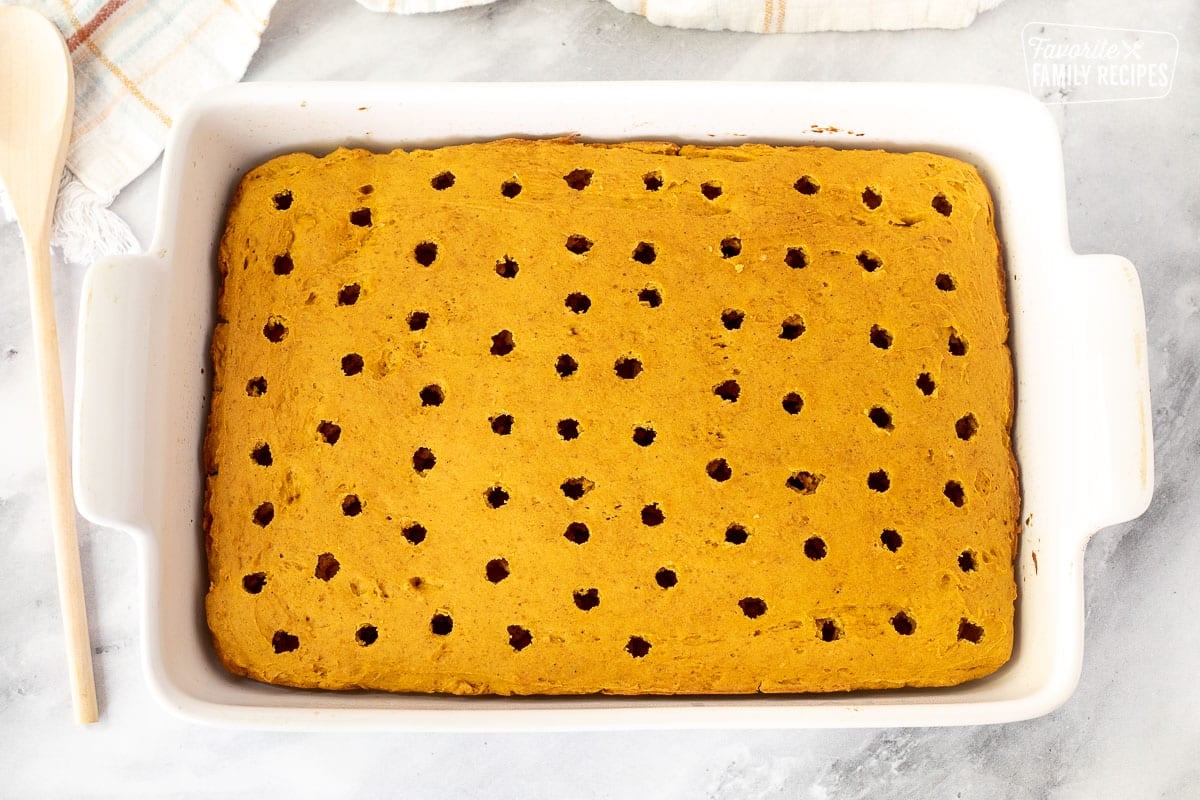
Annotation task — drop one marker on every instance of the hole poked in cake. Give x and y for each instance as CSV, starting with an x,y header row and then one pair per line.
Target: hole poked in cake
x,y
793,403
519,638
644,253
283,200
577,533
796,258
891,539
814,548
881,417
806,184
879,481
352,364
264,514
652,515
752,607
423,460
791,328
507,267
955,494
575,488
653,181
628,367
502,424
327,567
254,582
903,624
496,497
828,630
578,302
348,294
728,391
966,427
644,436
414,532
432,395
361,217
880,337
579,179
966,561
351,505
442,181
275,329
366,635
941,204
284,642
956,344
869,261
426,253
736,534
578,244
510,189
711,190
666,578
804,482
586,599
637,647
502,343
650,296
568,429
256,387
366,188
926,384
418,320
565,366
945,282
283,264
719,470
732,318
731,246
872,198
496,570
969,632
261,455
441,624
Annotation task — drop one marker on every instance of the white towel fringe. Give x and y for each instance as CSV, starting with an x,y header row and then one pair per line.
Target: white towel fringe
x,y
84,228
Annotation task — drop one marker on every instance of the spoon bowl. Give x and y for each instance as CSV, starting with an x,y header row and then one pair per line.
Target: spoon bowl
x,y
37,94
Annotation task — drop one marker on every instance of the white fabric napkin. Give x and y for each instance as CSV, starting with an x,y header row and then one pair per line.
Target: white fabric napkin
x,y
138,63
764,16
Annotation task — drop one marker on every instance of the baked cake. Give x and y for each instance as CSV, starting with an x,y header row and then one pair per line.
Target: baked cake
x,y
544,417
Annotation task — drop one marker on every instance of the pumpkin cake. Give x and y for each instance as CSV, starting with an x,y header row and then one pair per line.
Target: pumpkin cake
x,y
546,417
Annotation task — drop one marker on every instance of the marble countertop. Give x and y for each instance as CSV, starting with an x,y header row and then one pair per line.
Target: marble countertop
x,y
1131,730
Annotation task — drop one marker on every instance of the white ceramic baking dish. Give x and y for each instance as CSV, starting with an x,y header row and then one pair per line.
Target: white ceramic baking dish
x,y
1082,432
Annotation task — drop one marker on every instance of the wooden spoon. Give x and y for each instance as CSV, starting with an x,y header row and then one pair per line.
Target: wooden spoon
x,y
37,98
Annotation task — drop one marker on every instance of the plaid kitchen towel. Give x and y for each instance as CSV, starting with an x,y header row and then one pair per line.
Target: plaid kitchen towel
x,y
138,62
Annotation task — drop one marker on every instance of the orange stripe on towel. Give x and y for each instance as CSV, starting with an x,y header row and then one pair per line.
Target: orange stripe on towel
x,y
256,25
82,34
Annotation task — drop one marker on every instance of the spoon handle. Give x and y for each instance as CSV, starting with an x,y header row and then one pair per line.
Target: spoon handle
x,y
58,469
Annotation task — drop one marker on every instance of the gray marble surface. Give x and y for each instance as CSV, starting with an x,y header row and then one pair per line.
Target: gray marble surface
x,y
1132,730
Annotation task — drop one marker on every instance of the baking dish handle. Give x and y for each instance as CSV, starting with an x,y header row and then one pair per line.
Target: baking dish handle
x,y
1117,464
112,388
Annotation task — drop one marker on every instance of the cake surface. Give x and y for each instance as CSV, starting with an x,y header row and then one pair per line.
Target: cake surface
x,y
529,417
